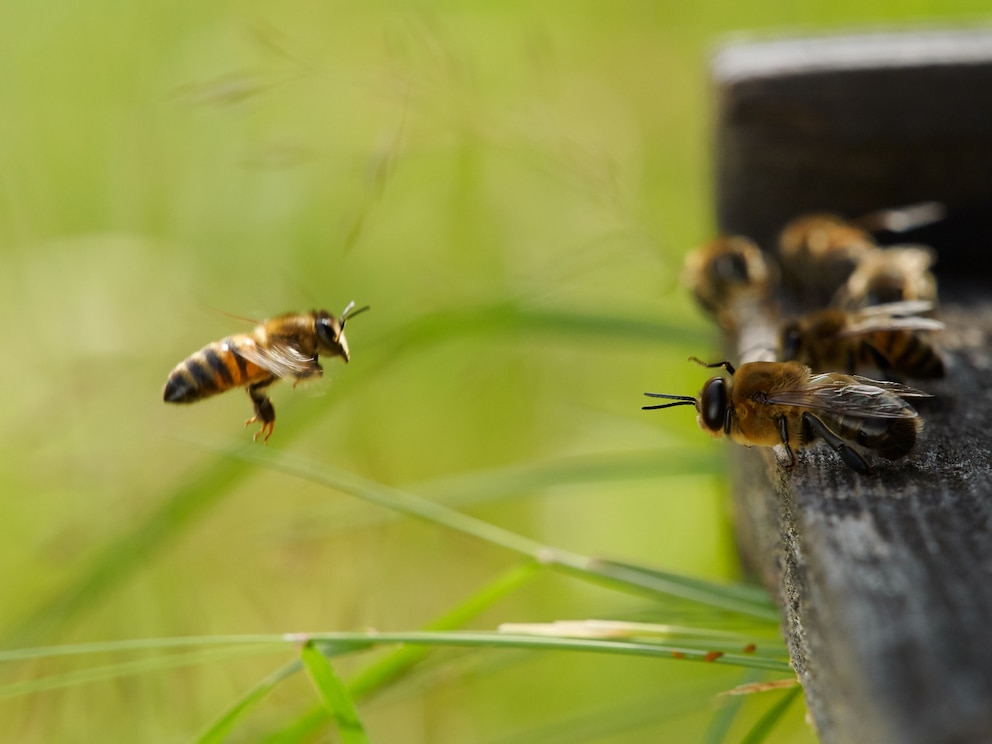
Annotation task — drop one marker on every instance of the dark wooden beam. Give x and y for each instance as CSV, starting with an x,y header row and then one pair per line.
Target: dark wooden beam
x,y
884,580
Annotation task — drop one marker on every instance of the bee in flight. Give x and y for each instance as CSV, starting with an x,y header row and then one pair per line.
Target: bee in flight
x,y
889,337
784,403
283,347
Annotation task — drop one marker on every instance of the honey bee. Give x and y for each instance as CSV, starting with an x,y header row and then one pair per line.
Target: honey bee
x,y
283,347
894,274
728,274
890,338
818,252
783,403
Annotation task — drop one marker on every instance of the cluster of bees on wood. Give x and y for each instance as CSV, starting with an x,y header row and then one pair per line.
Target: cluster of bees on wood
x,y
872,312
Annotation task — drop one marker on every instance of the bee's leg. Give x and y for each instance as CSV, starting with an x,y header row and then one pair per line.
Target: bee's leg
x,y
783,431
314,370
726,365
264,410
850,457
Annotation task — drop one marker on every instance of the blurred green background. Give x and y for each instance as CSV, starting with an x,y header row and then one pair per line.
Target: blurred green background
x,y
512,187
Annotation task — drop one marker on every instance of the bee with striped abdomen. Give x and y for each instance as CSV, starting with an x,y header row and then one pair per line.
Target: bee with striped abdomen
x,y
890,338
783,403
286,347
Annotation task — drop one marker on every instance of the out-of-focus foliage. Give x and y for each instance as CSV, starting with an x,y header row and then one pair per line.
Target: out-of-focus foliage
x,y
512,188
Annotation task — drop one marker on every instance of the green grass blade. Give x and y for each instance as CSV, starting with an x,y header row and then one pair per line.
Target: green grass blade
x,y
340,643
726,714
223,725
735,598
482,487
472,488
401,502
119,670
626,577
767,723
606,721
184,504
384,671
333,694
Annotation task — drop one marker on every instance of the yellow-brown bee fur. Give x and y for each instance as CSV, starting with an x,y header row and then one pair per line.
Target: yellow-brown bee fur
x,y
730,278
891,338
783,403
818,252
284,347
885,275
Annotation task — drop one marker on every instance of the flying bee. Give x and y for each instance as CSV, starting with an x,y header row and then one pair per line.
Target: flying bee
x,y
894,274
729,274
766,404
890,338
283,347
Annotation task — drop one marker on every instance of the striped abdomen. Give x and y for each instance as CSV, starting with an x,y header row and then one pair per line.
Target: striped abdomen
x,y
891,438
906,352
213,369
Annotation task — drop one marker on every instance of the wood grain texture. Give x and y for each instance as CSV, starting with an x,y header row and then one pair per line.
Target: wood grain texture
x,y
885,580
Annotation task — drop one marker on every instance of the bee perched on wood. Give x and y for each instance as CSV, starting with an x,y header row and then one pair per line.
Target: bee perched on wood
x,y
818,252
283,347
729,277
887,275
783,403
890,338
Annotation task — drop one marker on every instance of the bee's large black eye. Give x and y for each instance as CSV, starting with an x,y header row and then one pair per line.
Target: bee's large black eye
x,y
327,333
713,403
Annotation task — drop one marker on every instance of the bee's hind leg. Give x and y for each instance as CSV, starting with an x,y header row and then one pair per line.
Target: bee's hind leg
x,y
850,457
265,412
783,431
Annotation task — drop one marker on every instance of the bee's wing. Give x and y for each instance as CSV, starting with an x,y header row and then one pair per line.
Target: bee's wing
x,y
899,309
851,396
279,358
864,326
903,391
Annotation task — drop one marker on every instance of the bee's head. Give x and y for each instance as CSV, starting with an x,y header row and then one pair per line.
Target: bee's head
x,y
711,407
330,330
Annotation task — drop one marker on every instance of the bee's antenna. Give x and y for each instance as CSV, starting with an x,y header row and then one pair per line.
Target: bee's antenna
x,y
347,313
681,400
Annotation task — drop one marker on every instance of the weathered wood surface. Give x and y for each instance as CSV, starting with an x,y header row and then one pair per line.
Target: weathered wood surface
x,y
885,580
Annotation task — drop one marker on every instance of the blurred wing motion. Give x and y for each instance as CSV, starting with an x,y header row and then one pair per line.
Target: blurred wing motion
x,y
278,357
